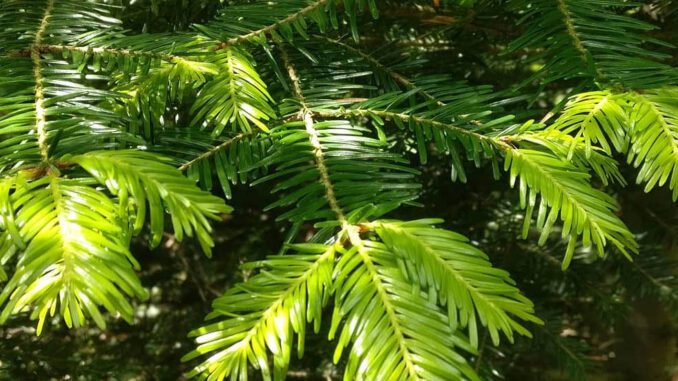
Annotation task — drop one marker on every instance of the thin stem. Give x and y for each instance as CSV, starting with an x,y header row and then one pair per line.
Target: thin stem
x,y
213,151
657,283
343,113
574,36
569,25
401,79
306,115
481,350
374,62
55,48
114,51
40,112
385,299
279,302
268,29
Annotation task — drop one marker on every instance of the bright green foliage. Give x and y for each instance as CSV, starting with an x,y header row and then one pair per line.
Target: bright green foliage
x,y
641,125
74,255
450,117
654,138
67,239
67,20
564,192
271,308
74,121
382,318
575,150
97,126
375,303
145,180
460,276
237,96
227,91
227,158
146,96
594,117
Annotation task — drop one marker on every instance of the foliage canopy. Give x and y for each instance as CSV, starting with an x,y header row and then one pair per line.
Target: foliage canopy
x,y
107,134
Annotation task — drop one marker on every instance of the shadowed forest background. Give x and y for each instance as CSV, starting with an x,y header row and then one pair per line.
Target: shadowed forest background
x,y
606,320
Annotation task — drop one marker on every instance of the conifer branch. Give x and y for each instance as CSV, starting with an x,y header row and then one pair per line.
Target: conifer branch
x,y
386,301
349,113
60,48
398,77
270,28
306,115
571,31
105,135
213,151
40,111
404,81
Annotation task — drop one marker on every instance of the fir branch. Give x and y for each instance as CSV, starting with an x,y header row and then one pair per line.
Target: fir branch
x,y
61,48
107,50
401,79
216,149
270,317
571,31
352,113
388,304
40,112
306,115
270,28
566,191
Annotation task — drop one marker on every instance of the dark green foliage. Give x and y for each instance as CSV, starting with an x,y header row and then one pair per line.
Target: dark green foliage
x,y
360,168
593,40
